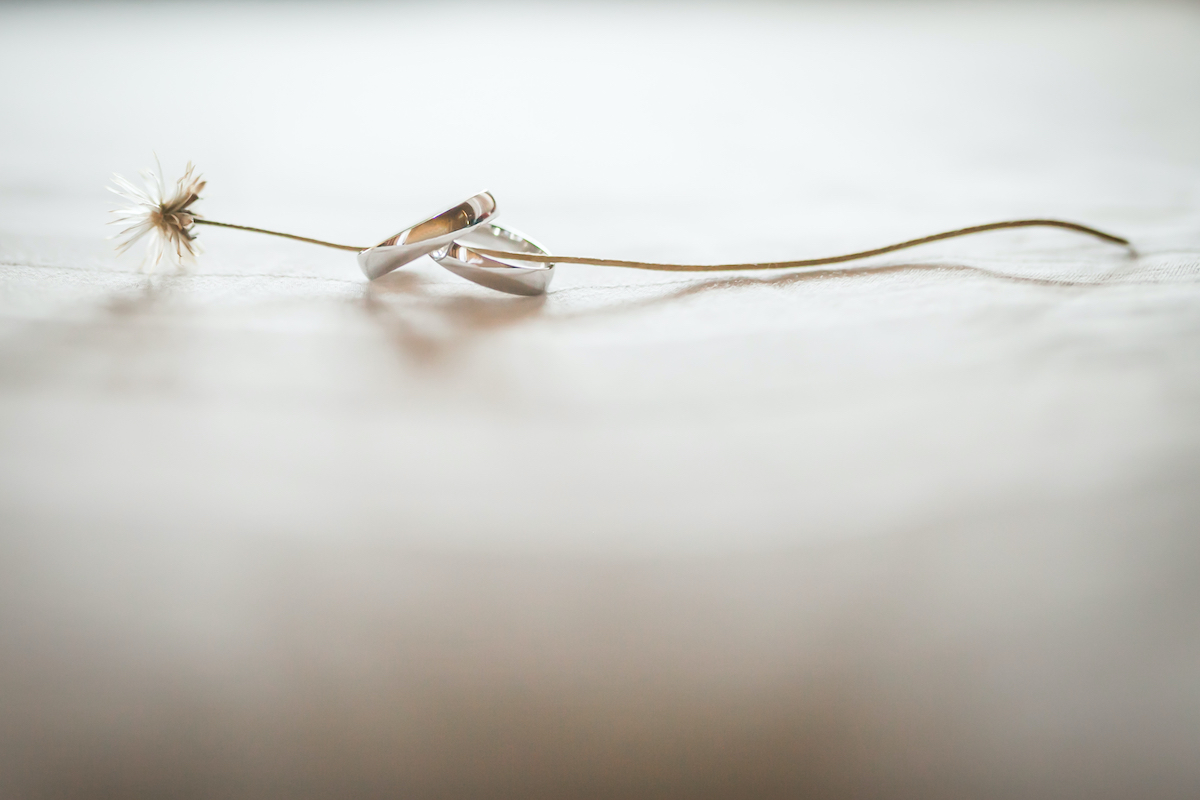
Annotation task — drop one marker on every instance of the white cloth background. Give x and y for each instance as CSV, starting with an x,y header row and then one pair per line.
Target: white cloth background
x,y
926,526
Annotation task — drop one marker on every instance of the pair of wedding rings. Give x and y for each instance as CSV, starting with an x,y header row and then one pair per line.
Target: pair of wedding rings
x,y
450,238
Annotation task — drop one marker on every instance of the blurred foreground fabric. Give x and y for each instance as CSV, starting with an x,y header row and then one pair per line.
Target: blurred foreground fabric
x,y
925,527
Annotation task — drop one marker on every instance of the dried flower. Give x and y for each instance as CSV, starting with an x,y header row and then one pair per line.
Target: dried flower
x,y
167,220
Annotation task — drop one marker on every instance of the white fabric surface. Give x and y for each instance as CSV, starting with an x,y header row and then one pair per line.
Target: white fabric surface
x,y
926,526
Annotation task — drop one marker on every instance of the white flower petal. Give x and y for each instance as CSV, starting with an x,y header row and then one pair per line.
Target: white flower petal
x,y
154,253
131,192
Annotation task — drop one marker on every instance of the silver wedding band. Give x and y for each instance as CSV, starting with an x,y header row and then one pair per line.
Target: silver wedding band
x,y
449,238
427,236
513,277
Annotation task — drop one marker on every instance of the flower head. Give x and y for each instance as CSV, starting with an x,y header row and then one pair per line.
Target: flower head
x,y
167,220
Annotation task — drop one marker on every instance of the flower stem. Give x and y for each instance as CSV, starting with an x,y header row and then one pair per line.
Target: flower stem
x,y
200,221
811,262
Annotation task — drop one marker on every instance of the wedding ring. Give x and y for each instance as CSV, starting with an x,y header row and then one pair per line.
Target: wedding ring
x,y
425,237
495,273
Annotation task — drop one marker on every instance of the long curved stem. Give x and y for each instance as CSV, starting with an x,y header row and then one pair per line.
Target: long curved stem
x,y
811,262
201,221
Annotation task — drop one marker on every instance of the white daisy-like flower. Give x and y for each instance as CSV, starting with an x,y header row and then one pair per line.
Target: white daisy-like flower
x,y
167,220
